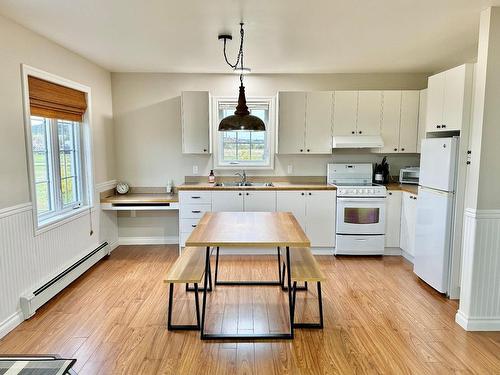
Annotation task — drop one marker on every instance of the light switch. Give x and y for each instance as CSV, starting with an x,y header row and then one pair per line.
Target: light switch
x,y
195,169
290,169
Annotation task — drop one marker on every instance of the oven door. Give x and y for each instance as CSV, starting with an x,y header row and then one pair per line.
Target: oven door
x,y
360,216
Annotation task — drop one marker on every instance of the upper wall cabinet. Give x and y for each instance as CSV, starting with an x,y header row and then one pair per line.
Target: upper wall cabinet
x,y
422,117
400,121
369,112
305,122
357,113
446,95
195,117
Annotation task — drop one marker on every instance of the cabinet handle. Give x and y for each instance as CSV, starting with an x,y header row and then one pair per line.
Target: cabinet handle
x,y
395,149
193,225
438,126
248,193
196,211
310,194
402,149
204,150
308,150
467,162
353,132
360,132
390,193
443,126
195,197
301,150
302,193
240,194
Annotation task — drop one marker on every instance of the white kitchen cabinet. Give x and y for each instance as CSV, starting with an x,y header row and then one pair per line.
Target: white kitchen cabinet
x,y
345,112
195,118
319,115
315,212
294,202
448,97
320,217
408,222
305,123
227,200
422,117
391,117
192,206
259,201
369,112
393,219
409,121
292,120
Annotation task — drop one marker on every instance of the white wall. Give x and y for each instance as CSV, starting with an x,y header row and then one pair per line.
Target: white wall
x,y
146,109
27,260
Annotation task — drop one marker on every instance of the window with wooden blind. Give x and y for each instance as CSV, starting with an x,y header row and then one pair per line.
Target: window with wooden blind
x,y
56,116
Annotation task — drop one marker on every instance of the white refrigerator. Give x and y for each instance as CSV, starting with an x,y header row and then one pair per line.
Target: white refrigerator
x,y
435,211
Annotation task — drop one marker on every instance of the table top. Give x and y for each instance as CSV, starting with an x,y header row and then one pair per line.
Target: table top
x,y
255,229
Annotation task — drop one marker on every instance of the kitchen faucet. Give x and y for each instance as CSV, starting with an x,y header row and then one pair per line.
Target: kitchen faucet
x,y
243,176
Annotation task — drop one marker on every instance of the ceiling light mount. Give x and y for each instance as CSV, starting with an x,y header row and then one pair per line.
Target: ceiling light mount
x,y
242,119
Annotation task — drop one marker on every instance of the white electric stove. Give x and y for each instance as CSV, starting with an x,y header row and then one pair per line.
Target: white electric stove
x,y
360,224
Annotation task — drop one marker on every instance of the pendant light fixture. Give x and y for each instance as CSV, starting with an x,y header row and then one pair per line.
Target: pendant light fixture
x,y
242,119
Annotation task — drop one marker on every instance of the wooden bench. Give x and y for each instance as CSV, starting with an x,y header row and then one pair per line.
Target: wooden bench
x,y
306,269
188,268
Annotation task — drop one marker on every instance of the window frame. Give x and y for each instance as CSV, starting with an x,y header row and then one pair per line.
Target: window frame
x,y
50,220
270,139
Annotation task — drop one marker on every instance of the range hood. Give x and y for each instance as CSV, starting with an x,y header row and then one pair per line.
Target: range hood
x,y
358,141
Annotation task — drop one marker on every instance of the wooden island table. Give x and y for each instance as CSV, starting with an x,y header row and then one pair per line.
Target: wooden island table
x,y
252,229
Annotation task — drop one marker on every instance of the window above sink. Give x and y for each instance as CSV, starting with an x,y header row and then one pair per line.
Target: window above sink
x,y
244,149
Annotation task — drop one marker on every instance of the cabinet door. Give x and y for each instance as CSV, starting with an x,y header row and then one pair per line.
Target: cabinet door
x,y
320,218
435,100
195,115
292,122
345,110
227,201
408,222
319,113
369,112
393,219
391,116
454,91
408,132
422,113
260,201
294,202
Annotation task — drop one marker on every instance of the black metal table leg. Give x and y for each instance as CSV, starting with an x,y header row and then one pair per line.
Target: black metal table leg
x,y
216,265
289,277
205,282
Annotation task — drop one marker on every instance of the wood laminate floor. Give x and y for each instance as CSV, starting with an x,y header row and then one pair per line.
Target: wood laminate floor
x,y
379,319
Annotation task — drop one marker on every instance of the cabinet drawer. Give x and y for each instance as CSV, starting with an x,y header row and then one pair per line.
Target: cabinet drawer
x,y
187,225
195,197
194,211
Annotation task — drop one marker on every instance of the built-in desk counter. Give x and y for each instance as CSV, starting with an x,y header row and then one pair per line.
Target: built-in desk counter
x,y
140,202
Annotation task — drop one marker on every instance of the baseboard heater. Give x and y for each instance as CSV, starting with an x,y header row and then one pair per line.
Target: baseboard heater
x,y
31,301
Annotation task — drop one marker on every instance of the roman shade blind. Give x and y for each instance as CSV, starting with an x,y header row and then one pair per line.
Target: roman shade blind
x,y
51,100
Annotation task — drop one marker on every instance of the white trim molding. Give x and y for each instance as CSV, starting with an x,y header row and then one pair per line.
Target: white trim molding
x,y
477,324
10,323
106,185
14,210
482,214
167,240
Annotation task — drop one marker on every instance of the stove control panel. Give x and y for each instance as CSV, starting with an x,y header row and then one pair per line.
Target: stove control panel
x,y
374,191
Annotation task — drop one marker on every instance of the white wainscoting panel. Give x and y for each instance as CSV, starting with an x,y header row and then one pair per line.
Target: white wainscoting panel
x,y
28,261
480,287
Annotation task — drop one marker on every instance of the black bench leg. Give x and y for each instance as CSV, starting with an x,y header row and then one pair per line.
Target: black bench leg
x,y
216,265
182,327
279,267
320,306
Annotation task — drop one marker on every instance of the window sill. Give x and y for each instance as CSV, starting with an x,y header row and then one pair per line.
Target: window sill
x,y
59,220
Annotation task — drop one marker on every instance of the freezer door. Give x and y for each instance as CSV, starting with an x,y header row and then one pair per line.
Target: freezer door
x,y
433,237
438,163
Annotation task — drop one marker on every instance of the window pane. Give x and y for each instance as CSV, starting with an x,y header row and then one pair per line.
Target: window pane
x,y
68,190
42,198
68,158
230,151
244,151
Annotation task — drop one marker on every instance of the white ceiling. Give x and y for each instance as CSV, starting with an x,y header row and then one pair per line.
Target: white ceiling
x,y
283,36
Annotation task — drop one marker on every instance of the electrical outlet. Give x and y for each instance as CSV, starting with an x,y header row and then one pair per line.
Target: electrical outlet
x,y
290,169
195,169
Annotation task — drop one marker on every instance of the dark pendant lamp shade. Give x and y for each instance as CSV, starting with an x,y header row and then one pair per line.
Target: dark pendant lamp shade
x,y
242,119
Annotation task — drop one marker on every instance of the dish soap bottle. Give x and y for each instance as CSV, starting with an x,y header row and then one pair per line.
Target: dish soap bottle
x,y
211,177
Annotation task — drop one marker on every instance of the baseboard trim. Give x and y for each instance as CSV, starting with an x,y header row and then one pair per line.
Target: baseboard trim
x,y
392,251
168,240
477,324
10,323
407,256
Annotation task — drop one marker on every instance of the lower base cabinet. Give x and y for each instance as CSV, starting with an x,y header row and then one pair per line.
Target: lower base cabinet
x,y
393,219
315,212
408,222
